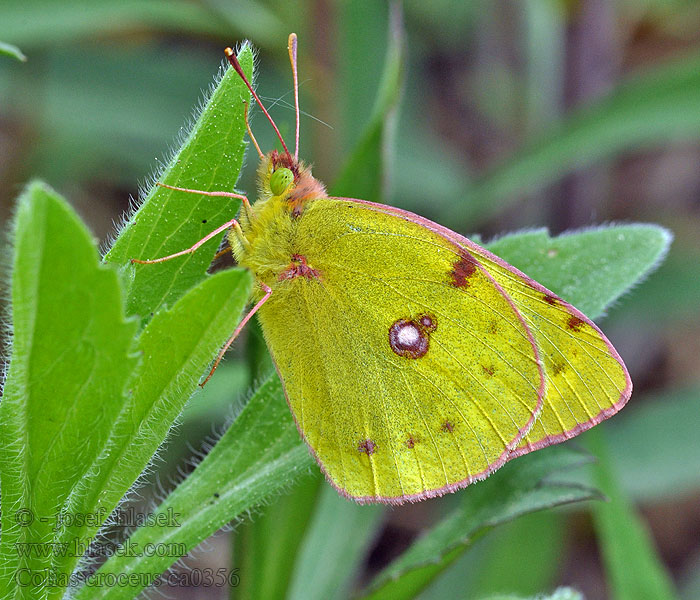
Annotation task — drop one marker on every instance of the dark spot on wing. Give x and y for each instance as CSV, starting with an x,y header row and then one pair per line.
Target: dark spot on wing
x,y
549,299
462,270
575,324
558,367
367,446
410,338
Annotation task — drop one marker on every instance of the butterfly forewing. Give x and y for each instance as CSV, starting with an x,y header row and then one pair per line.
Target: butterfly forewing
x,y
410,371
586,380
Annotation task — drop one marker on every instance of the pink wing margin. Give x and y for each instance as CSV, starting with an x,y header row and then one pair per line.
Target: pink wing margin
x,y
466,244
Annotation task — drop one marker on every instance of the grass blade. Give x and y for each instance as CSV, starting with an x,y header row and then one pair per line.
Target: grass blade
x,y
634,570
652,108
521,487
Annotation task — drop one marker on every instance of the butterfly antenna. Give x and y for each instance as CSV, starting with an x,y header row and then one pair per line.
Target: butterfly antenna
x,y
250,131
231,56
292,47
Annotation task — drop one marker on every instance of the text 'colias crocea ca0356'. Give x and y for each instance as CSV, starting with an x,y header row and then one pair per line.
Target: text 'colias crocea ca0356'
x,y
414,361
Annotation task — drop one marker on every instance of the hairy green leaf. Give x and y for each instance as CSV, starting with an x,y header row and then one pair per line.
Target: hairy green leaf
x,y
71,359
590,268
258,455
521,487
176,347
170,221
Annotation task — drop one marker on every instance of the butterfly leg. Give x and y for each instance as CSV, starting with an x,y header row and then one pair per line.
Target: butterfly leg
x,y
241,197
241,325
232,223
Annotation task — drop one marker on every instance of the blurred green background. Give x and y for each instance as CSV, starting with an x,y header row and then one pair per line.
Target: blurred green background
x,y
515,114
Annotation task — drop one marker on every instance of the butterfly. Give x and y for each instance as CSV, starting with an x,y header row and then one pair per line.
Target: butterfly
x,y
414,361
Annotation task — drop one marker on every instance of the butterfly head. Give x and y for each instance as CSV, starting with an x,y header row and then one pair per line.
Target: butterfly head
x,y
284,177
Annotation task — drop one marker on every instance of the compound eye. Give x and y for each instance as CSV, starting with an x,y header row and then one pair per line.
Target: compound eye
x,y
280,180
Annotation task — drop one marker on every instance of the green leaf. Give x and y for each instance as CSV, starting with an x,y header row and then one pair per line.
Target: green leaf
x,y
334,547
544,57
176,347
678,273
255,20
257,355
258,455
590,268
655,107
634,570
361,39
213,402
521,487
365,172
523,556
520,557
72,309
71,359
113,108
652,445
169,221
12,51
265,549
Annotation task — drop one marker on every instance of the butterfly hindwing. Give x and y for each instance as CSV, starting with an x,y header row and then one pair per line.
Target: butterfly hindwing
x,y
408,368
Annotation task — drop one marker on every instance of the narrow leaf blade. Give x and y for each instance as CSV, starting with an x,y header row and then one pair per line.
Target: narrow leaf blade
x,y
12,51
652,108
335,544
365,174
266,548
633,567
521,487
652,446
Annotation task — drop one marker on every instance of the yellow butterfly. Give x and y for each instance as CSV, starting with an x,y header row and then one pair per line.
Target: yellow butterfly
x,y
414,361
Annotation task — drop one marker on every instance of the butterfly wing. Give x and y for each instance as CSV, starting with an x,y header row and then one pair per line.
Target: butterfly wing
x,y
408,368
587,382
